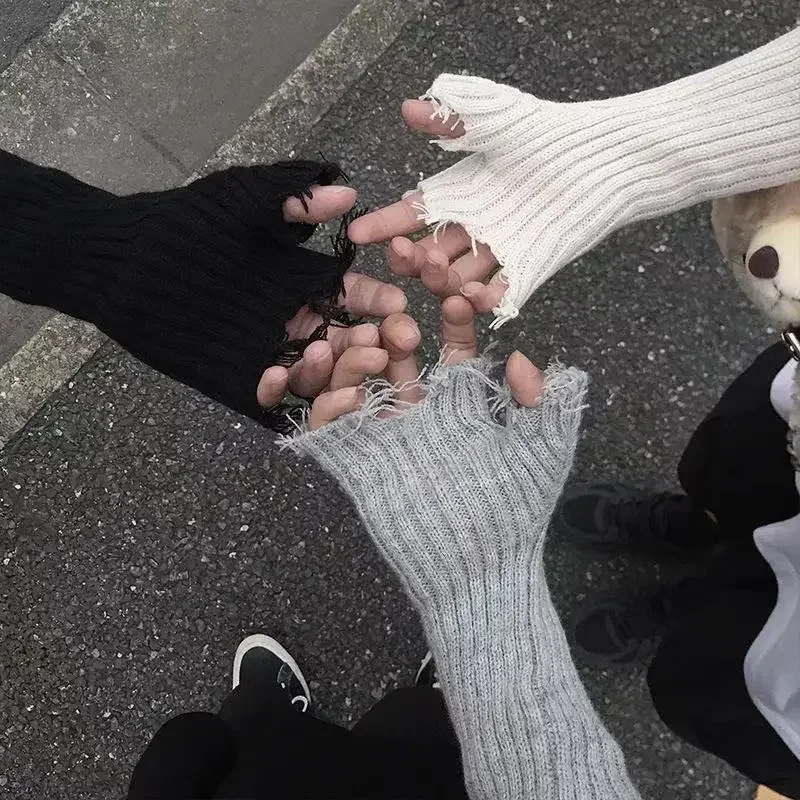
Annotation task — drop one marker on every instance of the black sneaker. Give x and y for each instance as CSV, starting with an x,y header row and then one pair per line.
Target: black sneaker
x,y
260,659
614,516
621,628
426,674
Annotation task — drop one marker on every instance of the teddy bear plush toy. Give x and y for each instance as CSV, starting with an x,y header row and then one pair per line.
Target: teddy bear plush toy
x,y
759,235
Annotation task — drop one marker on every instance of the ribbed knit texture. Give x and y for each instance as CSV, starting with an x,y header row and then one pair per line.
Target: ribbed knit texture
x,y
548,181
457,493
198,282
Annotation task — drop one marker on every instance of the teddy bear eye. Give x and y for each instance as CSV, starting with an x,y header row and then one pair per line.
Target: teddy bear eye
x,y
764,263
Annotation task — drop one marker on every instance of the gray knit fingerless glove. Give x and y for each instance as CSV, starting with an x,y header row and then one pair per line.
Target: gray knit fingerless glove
x,y
457,493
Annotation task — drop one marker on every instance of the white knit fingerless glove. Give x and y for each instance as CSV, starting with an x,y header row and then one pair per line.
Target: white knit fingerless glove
x,y
457,493
548,181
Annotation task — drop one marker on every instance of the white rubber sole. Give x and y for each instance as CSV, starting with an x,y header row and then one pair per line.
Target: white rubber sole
x,y
422,666
268,643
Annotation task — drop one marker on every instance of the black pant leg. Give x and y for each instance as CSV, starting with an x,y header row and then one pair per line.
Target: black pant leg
x,y
189,757
394,753
283,752
413,715
737,466
413,748
697,679
261,747
250,706
736,463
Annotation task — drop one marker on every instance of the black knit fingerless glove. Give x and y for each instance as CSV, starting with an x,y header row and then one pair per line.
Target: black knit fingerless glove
x,y
198,282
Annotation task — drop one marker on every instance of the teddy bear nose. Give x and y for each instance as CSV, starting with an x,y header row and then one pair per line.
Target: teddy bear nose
x,y
774,255
764,263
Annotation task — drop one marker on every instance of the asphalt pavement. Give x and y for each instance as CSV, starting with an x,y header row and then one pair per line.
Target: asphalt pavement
x,y
23,20
144,530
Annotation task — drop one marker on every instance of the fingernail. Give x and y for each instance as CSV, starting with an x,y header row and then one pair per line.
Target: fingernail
x,y
395,294
407,332
468,293
340,189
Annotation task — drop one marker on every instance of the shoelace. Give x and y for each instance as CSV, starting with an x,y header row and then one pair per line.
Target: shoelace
x,y
285,679
301,700
650,515
644,620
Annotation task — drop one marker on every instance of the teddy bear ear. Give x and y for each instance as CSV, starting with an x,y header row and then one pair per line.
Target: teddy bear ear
x,y
735,220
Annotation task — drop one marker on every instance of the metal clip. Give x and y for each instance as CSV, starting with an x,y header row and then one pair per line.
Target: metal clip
x,y
791,338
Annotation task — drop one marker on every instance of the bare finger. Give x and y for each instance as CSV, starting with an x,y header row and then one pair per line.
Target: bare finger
x,y
400,337
452,239
365,335
311,374
369,297
398,219
474,266
355,364
332,405
273,386
525,379
327,202
407,258
420,115
303,323
437,276
458,330
485,297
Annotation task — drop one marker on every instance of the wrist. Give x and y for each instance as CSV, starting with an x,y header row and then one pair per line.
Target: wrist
x,y
500,579
447,576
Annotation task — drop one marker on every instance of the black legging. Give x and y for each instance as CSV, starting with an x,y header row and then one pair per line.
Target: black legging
x,y
260,746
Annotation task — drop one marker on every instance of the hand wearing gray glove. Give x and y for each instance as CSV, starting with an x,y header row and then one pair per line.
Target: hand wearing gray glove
x,y
457,491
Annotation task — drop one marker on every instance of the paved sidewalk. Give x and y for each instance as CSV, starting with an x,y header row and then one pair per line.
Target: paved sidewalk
x,y
144,530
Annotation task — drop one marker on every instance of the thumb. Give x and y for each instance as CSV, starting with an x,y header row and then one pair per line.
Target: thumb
x,y
420,115
325,203
485,110
525,380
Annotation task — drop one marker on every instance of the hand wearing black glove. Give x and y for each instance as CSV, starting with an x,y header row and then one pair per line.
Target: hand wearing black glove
x,y
206,283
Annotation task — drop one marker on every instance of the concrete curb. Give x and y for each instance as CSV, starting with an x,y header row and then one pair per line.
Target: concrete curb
x,y
43,364
318,83
61,347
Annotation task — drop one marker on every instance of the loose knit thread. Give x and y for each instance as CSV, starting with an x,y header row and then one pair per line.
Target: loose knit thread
x,y
457,494
545,182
